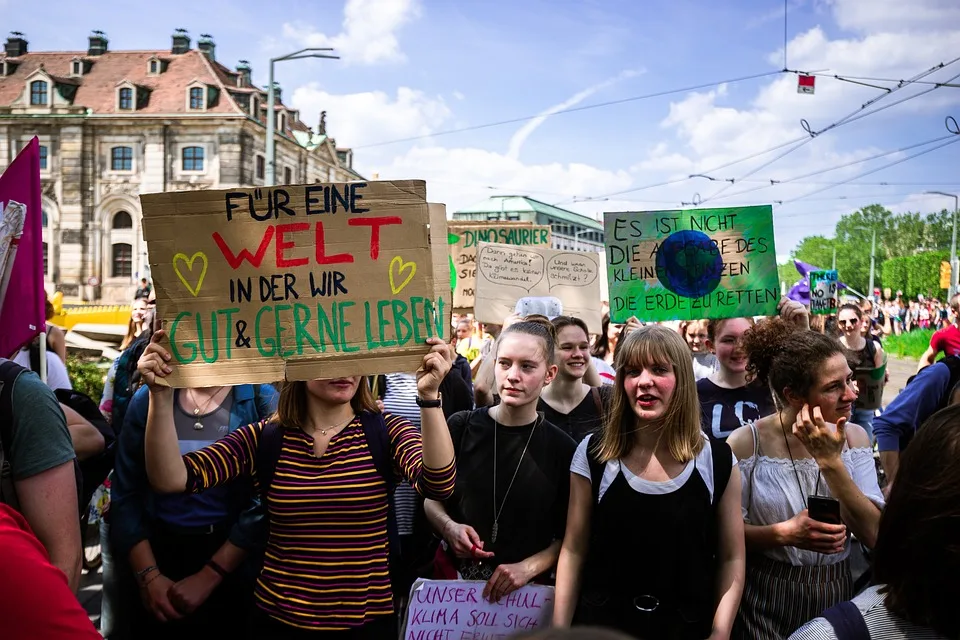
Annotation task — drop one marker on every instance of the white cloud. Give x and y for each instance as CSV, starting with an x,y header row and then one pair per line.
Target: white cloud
x,y
894,15
524,132
370,117
368,34
459,96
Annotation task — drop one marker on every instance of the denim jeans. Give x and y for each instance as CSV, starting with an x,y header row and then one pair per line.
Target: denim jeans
x,y
864,418
113,622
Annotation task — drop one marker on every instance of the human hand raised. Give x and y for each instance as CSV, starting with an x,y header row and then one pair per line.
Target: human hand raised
x,y
822,442
153,364
436,365
794,313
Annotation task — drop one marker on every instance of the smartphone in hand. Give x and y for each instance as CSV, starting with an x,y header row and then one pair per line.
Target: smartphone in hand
x,y
824,509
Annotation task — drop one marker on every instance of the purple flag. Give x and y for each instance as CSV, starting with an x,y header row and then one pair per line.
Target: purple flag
x,y
800,292
22,312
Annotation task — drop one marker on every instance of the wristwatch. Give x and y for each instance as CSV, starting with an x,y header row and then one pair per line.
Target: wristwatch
x,y
430,404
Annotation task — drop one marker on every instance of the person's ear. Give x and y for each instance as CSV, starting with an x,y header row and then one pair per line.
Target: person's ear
x,y
710,346
551,374
794,400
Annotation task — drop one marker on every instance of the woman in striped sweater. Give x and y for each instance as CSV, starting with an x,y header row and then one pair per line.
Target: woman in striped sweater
x,y
326,568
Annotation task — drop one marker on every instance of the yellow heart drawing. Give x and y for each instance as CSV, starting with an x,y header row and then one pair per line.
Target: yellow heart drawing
x,y
189,262
401,267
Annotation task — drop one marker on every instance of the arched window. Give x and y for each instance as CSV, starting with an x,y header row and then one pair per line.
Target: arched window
x,y
192,159
44,219
125,101
121,159
122,220
196,98
38,92
122,260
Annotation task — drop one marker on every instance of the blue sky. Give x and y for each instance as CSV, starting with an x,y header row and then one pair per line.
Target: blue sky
x,y
419,67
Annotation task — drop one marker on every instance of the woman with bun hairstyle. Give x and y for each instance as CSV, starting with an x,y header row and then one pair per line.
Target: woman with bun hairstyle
x,y
507,514
569,402
727,400
654,539
808,479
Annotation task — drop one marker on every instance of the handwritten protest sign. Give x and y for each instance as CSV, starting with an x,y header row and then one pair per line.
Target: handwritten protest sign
x,y
824,292
690,264
465,238
870,383
566,280
298,282
456,610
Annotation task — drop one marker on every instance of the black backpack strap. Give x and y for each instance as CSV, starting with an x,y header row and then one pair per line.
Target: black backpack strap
x,y
378,441
9,372
722,468
35,358
597,469
269,447
847,621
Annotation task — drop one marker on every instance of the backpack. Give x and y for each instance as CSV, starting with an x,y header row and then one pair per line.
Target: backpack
x,y
270,446
847,621
126,381
10,372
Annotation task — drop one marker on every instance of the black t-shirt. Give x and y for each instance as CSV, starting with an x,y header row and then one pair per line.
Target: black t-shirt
x,y
585,418
535,511
724,410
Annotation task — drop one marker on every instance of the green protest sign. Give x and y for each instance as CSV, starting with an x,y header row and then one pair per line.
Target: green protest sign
x,y
692,263
824,292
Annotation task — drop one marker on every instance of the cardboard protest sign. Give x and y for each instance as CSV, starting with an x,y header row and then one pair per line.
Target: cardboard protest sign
x,y
298,282
546,279
465,238
824,292
456,609
691,264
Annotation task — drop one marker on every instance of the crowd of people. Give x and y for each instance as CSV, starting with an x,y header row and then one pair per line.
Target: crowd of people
x,y
703,479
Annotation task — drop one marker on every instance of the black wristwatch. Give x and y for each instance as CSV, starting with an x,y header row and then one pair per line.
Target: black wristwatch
x,y
430,404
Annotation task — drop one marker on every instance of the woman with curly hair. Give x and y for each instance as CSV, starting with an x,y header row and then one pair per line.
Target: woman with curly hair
x,y
808,480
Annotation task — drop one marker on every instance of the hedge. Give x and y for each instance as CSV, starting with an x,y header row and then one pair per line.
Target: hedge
x,y
915,274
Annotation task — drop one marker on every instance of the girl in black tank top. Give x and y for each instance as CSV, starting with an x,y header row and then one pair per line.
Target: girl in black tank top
x,y
654,536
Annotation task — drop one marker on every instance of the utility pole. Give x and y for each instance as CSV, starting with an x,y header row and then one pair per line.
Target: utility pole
x,y
270,179
953,243
873,261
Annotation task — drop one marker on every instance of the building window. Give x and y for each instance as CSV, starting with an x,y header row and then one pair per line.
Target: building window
x,y
43,160
122,260
77,68
196,98
192,159
261,167
154,67
255,107
45,262
44,219
287,175
125,101
122,220
121,159
38,92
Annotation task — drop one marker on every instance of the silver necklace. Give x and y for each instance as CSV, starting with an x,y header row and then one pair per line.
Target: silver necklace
x,y
323,432
198,425
496,512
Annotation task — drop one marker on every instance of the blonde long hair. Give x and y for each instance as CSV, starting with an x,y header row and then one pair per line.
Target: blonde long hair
x,y
649,345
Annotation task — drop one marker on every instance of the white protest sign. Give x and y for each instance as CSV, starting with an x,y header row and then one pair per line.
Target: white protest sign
x,y
456,610
506,274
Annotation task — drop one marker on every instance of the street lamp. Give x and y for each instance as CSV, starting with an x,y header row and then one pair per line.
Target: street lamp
x,y
873,257
953,243
311,52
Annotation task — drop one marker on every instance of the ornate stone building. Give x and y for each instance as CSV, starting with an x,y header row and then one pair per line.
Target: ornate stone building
x,y
115,124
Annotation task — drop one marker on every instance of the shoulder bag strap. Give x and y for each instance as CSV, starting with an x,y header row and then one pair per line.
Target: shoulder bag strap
x,y
9,372
269,447
378,441
722,468
847,621
756,459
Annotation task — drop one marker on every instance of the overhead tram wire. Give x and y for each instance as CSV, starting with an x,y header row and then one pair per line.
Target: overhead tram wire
x,y
586,107
857,114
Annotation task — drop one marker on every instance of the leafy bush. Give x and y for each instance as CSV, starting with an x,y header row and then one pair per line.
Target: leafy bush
x,y
915,274
908,345
86,376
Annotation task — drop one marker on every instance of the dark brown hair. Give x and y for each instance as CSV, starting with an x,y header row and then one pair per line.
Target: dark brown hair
x,y
538,327
850,307
293,408
713,326
562,322
781,355
917,555
601,346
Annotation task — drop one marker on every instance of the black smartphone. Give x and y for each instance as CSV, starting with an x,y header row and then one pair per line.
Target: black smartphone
x,y
824,509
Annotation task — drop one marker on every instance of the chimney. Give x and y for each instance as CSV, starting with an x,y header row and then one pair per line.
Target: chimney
x,y
207,46
181,42
98,44
277,94
16,45
243,73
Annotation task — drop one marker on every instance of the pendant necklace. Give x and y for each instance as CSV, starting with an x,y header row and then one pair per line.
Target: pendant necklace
x,y
197,410
496,512
323,432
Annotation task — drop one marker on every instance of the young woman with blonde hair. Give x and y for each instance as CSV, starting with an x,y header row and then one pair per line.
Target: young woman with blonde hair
x,y
654,540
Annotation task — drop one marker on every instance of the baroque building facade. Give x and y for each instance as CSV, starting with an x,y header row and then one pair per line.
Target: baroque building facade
x,y
115,124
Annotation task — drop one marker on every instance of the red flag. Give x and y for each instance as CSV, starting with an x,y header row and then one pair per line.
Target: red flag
x,y
806,84
22,309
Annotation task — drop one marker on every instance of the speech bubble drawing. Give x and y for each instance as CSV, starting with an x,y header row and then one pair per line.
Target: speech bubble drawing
x,y
571,270
510,267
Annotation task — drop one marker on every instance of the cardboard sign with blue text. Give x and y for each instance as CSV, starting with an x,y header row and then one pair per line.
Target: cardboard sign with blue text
x,y
824,292
456,610
540,279
298,282
691,264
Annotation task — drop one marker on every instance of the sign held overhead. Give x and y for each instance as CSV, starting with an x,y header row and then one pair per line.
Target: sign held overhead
x,y
298,282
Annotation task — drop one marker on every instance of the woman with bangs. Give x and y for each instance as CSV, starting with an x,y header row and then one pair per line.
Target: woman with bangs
x,y
654,540
507,515
324,465
809,480
727,399
568,402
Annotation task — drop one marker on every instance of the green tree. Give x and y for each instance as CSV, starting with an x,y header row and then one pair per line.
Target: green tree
x,y
854,235
815,250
